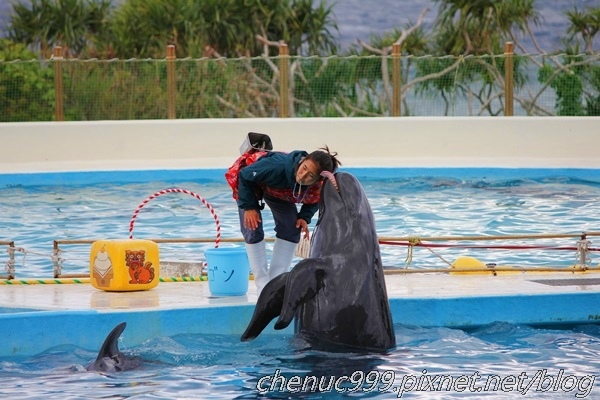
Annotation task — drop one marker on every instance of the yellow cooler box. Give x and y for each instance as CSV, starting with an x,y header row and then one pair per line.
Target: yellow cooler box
x,y
124,265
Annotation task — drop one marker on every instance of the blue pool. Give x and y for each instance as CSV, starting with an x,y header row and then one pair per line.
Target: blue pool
x,y
550,363
37,209
495,361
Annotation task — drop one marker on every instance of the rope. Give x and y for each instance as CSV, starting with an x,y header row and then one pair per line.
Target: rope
x,y
395,271
498,237
570,270
56,281
25,252
62,281
582,249
505,247
183,279
176,190
440,257
412,242
12,250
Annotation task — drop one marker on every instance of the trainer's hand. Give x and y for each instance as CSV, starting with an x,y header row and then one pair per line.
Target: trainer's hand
x,y
251,219
303,226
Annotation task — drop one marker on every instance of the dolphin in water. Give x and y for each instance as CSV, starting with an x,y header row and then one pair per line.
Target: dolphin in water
x,y
338,295
110,358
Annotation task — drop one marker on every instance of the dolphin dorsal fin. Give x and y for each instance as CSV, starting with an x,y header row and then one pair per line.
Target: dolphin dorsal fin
x,y
110,347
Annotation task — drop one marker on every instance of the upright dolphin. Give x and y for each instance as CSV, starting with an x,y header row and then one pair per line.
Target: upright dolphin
x,y
338,295
110,359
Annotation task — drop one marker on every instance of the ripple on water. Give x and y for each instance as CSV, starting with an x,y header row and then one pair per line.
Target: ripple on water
x,y
192,366
420,206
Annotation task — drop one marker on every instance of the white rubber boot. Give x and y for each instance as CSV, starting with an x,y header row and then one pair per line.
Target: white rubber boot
x,y
283,253
257,256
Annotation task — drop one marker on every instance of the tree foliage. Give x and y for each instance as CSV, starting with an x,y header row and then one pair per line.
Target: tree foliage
x,y
74,24
227,62
576,82
143,28
481,26
26,88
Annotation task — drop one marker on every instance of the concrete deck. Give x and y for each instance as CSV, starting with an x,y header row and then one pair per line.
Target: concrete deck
x,y
178,295
37,317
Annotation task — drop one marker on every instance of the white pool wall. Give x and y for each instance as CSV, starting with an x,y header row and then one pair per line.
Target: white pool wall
x,y
469,142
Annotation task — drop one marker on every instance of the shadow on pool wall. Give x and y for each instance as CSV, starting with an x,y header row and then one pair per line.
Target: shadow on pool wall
x,y
45,151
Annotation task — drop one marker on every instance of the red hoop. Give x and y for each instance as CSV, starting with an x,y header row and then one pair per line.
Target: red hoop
x,y
176,190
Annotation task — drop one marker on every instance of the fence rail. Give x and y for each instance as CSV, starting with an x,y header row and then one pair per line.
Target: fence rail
x,y
293,86
581,249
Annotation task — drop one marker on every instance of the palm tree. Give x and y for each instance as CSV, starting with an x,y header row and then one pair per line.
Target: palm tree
x,y
311,29
228,28
481,26
575,77
143,28
586,24
73,24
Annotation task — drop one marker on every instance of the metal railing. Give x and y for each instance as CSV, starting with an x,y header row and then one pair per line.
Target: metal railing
x,y
582,249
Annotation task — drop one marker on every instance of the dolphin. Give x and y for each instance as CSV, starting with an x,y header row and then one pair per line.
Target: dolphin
x,y
337,295
110,359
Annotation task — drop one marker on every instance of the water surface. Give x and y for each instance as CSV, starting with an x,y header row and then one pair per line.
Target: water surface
x,y
551,363
415,206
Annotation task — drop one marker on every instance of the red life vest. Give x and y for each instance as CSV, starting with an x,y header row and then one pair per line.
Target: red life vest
x,y
244,160
310,196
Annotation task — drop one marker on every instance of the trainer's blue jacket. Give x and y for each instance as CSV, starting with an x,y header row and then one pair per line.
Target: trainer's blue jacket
x,y
275,170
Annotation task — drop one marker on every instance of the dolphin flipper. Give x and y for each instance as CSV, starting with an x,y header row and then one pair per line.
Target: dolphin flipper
x,y
305,281
267,307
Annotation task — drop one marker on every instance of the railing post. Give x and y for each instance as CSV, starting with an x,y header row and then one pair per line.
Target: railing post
x,y
10,264
55,260
11,260
508,79
284,67
59,110
171,83
396,80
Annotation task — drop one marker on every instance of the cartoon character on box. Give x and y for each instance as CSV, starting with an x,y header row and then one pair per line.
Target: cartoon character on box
x,y
140,270
103,270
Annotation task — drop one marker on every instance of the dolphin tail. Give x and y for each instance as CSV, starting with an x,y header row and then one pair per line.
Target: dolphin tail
x,y
305,281
110,347
267,307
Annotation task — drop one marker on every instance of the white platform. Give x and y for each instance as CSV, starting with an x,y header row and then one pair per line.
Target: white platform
x,y
173,295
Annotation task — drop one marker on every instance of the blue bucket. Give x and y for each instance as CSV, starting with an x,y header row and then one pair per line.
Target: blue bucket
x,y
228,271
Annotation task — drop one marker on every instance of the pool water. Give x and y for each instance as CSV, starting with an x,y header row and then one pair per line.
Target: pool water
x,y
35,216
552,363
